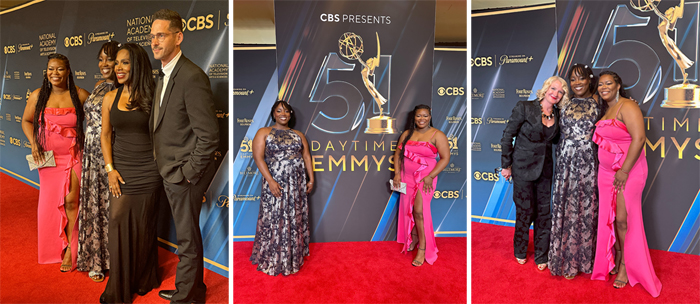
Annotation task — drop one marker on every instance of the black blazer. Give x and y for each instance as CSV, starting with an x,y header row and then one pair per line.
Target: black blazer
x,y
185,133
527,156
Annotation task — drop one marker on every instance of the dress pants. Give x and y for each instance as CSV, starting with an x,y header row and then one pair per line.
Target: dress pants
x,y
532,204
186,203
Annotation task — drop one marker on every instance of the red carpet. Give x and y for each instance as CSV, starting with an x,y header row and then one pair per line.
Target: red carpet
x,y
357,272
498,278
23,280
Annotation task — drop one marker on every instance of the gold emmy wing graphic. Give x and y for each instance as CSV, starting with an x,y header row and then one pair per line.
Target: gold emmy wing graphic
x,y
684,95
351,47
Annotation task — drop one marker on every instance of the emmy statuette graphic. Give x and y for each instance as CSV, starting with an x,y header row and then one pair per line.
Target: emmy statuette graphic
x,y
351,47
684,95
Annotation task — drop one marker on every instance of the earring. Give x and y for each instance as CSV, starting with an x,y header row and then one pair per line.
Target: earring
x,y
617,98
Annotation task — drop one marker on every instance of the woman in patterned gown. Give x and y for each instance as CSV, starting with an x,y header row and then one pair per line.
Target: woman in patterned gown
x,y
622,174
53,121
282,156
416,166
92,236
575,197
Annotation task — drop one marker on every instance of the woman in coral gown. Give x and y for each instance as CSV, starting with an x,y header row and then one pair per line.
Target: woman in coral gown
x,y
622,173
415,165
53,121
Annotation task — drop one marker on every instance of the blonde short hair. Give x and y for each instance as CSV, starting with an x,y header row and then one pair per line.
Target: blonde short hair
x,y
547,83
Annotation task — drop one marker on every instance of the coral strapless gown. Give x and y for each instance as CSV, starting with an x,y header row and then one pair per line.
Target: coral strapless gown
x,y
614,140
60,133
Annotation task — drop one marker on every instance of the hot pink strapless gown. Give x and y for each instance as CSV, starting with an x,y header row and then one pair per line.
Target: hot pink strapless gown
x,y
55,184
613,141
419,160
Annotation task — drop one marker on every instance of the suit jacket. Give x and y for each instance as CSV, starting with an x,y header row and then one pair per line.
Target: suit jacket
x,y
185,133
527,155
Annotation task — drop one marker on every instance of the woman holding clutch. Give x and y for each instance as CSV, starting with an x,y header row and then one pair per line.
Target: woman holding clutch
x,y
415,165
53,124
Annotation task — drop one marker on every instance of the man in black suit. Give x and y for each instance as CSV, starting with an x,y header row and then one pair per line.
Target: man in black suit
x,y
185,136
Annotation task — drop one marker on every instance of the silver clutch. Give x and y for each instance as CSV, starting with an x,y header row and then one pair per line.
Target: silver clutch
x,y
401,188
49,161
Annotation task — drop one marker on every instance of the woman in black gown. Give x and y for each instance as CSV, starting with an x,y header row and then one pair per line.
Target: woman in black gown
x,y
133,178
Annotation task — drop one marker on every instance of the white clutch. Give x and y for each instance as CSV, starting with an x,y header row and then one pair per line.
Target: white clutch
x,y
401,188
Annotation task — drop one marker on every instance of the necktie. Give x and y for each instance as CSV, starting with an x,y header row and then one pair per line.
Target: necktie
x,y
156,99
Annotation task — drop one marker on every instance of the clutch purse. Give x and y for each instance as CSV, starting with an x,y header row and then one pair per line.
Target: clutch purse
x,y
49,161
401,188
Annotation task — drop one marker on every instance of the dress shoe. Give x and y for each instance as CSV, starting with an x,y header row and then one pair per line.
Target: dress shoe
x,y
166,294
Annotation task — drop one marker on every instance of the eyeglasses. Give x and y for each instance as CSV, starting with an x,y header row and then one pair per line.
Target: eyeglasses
x,y
160,36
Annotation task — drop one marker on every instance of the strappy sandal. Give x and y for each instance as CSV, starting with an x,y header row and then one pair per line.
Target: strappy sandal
x,y
620,281
521,261
96,277
617,265
67,267
414,242
569,277
415,262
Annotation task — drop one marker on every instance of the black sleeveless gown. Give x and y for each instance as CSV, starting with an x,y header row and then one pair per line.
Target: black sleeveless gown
x,y
132,220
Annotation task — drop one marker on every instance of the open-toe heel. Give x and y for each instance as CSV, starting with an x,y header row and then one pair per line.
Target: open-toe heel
x,y
414,242
415,263
67,267
617,264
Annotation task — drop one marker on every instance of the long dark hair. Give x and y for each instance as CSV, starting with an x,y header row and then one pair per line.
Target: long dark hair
x,y
412,128
292,117
140,78
110,48
40,109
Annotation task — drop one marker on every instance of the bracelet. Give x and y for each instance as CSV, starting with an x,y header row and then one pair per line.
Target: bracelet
x,y
108,168
310,183
625,172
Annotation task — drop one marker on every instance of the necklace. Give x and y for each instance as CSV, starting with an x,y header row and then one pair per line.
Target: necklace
x,y
548,117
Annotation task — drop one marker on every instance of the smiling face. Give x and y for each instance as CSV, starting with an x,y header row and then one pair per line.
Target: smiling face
x,y
607,87
165,43
282,115
106,65
580,84
122,67
57,72
422,118
554,93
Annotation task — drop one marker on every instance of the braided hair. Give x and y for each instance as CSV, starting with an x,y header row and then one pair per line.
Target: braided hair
x,y
40,109
412,128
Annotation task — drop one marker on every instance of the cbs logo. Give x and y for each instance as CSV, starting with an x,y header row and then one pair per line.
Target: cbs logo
x,y
10,49
482,61
73,41
446,194
15,141
330,17
486,176
477,120
198,23
451,91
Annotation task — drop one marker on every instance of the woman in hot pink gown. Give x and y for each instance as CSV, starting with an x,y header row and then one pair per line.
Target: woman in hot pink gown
x,y
415,165
53,121
622,173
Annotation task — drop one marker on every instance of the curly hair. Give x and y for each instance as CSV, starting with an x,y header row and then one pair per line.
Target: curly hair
x,y
292,117
547,83
42,100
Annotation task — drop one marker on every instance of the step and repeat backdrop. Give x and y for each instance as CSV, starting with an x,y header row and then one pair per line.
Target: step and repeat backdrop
x,y
321,66
623,36
78,29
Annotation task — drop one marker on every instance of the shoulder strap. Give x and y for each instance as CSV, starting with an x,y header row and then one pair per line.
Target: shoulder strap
x,y
115,103
431,137
618,109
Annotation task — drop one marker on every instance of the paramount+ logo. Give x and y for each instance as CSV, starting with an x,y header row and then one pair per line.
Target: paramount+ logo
x,y
73,41
450,91
486,176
